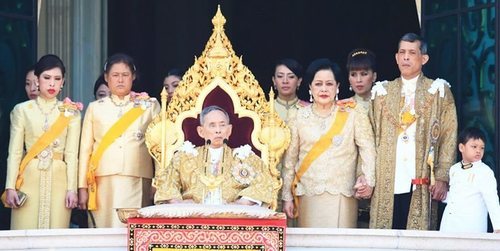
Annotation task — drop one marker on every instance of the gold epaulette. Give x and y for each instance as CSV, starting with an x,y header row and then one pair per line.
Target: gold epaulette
x,y
302,103
346,104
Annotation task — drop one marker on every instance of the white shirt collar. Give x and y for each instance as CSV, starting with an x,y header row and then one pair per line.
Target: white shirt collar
x,y
215,154
409,85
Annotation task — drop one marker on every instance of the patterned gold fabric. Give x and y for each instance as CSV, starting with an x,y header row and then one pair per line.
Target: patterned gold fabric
x,y
335,170
186,169
287,112
45,182
364,102
310,216
435,115
126,156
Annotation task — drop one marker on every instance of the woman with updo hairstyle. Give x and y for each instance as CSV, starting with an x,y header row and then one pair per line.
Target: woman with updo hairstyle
x,y
361,67
41,184
286,80
320,183
115,166
101,89
171,81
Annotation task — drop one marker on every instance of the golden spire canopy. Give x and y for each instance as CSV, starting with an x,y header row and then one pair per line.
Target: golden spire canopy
x,y
219,67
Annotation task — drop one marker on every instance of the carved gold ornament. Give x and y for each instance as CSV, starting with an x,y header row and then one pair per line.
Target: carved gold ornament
x,y
218,66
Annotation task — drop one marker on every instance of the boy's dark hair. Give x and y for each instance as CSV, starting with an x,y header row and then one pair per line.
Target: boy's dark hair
x,y
471,133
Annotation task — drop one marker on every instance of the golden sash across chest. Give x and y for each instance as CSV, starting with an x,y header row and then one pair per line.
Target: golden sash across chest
x,y
111,135
318,148
45,140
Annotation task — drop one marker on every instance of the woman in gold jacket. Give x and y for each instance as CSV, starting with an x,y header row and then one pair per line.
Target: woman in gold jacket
x,y
319,174
115,166
47,173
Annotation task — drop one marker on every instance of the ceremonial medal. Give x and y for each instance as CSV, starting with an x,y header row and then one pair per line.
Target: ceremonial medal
x,y
45,125
56,143
138,135
337,140
44,157
435,130
405,137
243,173
212,194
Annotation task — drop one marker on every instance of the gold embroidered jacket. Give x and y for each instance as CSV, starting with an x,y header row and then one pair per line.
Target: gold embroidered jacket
x,y
335,170
436,120
128,154
186,169
45,185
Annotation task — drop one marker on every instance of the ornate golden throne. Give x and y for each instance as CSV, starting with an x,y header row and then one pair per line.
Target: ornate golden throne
x,y
218,77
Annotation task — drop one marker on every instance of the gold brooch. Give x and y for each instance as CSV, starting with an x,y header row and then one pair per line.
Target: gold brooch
x,y
243,173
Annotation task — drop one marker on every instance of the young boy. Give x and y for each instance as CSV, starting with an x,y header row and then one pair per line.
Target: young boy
x,y
473,189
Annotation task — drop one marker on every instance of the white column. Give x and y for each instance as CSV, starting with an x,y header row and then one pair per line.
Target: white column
x,y
54,34
89,46
76,31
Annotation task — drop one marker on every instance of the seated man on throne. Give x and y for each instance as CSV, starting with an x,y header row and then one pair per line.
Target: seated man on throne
x,y
214,173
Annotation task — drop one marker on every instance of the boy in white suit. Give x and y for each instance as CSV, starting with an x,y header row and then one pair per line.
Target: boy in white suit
x,y
473,189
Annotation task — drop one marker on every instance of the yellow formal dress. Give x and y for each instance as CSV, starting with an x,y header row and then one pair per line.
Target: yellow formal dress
x,y
436,126
46,181
125,170
326,189
241,174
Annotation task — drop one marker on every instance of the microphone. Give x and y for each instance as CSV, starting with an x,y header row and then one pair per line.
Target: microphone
x,y
207,143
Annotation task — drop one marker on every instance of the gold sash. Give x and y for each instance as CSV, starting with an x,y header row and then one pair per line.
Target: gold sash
x,y
318,148
45,140
48,137
114,132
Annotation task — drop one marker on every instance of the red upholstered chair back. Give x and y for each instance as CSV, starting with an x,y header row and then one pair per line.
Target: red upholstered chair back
x,y
242,127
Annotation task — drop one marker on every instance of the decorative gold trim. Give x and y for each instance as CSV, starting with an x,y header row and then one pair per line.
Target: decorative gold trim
x,y
218,66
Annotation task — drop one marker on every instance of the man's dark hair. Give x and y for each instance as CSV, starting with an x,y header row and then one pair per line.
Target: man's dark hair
x,y
412,37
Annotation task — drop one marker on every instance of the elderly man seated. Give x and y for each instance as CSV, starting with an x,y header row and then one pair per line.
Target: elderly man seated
x,y
214,173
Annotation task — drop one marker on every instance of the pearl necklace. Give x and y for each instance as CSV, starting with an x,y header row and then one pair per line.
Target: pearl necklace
x,y
323,118
120,106
46,114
